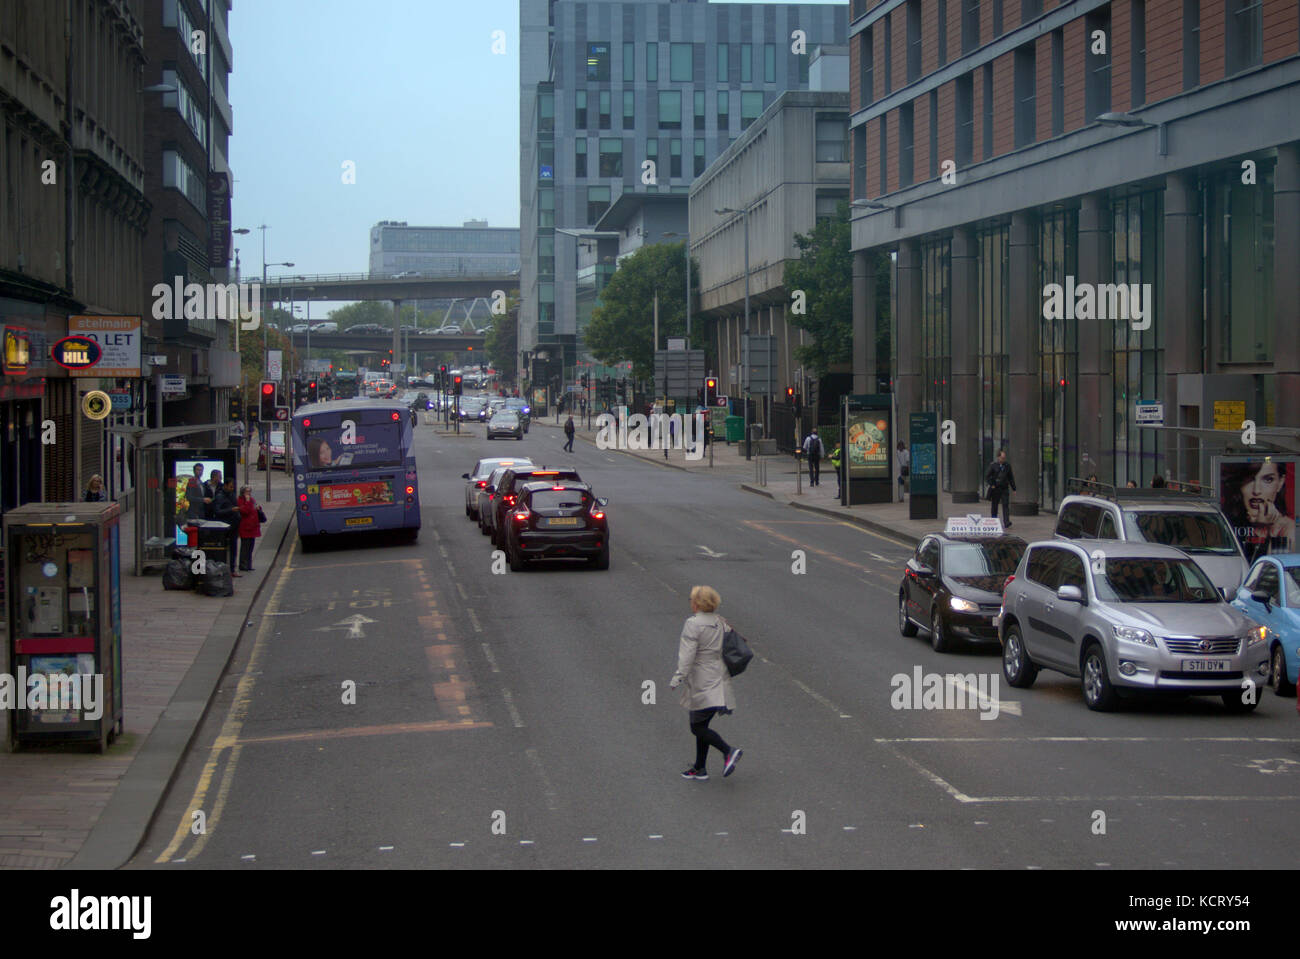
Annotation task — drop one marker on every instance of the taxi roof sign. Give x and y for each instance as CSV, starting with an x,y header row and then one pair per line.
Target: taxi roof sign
x,y
973,524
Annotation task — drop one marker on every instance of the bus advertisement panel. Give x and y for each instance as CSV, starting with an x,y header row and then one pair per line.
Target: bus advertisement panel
x,y
354,469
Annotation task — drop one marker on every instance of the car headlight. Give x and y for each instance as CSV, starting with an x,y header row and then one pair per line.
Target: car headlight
x,y
963,605
1133,635
1256,635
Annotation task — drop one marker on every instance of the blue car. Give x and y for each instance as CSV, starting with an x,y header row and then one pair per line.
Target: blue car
x,y
1270,595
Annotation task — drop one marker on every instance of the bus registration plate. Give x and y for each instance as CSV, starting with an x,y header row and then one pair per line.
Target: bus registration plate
x,y
359,521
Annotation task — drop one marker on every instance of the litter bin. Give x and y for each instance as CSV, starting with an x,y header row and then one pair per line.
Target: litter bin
x,y
210,535
735,426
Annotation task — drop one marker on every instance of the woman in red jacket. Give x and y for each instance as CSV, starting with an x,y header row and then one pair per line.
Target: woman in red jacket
x,y
250,526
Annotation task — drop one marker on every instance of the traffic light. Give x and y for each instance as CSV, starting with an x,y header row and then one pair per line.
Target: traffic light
x,y
312,394
789,394
456,385
236,408
267,397
711,391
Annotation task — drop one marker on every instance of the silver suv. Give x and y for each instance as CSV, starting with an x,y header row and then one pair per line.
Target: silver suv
x,y
1128,616
1168,516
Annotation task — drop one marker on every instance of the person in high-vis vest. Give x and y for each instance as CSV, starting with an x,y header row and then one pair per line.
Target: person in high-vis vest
x,y
837,457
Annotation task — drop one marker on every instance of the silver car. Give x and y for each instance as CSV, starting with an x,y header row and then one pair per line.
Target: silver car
x,y
1128,616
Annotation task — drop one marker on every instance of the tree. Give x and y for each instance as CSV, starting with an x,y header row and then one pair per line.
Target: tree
x,y
502,340
621,327
824,274
365,311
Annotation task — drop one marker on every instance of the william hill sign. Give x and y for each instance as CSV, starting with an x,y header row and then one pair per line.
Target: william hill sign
x,y
76,352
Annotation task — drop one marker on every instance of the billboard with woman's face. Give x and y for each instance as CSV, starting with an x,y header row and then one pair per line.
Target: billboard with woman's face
x,y
1257,495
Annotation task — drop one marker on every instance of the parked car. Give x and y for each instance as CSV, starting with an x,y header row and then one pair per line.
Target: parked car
x,y
276,448
1270,596
1126,617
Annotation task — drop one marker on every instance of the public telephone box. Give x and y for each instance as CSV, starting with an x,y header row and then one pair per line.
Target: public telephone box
x,y
63,601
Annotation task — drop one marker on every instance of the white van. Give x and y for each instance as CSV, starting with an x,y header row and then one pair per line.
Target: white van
x,y
325,328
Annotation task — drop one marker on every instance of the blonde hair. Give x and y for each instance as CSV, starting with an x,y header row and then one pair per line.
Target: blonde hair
x,y
95,477
706,598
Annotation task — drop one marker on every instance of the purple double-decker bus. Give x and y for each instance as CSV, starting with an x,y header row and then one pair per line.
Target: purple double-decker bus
x,y
354,470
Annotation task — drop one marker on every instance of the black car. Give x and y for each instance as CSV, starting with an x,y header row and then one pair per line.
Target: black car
x,y
953,587
554,520
521,409
508,489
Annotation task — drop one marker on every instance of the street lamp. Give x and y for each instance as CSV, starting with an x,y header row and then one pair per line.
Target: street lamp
x,y
877,205
1129,120
745,214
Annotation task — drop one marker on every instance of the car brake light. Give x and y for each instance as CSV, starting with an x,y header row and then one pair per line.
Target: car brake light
x,y
521,515
482,484
597,515
510,500
560,488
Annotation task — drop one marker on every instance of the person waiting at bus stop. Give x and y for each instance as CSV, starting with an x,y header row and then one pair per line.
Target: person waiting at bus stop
x,y
225,508
250,527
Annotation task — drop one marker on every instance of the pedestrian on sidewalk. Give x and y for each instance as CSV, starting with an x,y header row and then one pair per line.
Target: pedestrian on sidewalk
x,y
813,448
95,490
251,519
904,468
705,682
569,430
1001,481
225,508
672,435
837,461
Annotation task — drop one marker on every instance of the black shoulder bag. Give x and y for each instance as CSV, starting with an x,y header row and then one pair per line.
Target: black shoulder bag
x,y
736,653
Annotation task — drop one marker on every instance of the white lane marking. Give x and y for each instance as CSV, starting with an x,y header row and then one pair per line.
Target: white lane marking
x,y
178,860
821,699
1270,766
492,661
461,589
248,858
456,845
850,828
525,842
1087,739
1011,707
721,834
711,553
883,559
318,852
510,705
473,619
353,625
656,837
385,848
588,838
443,550
552,800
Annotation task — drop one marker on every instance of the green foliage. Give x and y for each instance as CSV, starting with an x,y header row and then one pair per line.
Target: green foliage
x,y
364,311
621,327
824,273
502,340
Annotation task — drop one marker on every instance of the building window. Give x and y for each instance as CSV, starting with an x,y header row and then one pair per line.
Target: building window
x,y
629,109
611,156
832,139
769,63
1138,39
674,158
988,110
184,103
1058,82
860,161
580,157
936,335
913,40
546,255
997,19
934,134
180,176
1239,267
598,61
724,111
597,202
943,31
866,72
670,109
803,67
652,62
1244,29
652,154
604,109
546,160
906,142
994,346
965,132
828,206
680,65
545,207
889,54
723,62
1026,78
1058,342
751,107
546,112
629,62
699,109
970,25
1030,9
1096,90
746,63
580,110
1191,43
699,157
884,157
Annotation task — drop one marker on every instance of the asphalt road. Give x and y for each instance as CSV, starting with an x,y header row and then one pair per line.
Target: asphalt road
x,y
501,720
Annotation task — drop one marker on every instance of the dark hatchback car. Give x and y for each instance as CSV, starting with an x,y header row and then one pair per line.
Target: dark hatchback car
x,y
556,520
521,409
507,492
953,587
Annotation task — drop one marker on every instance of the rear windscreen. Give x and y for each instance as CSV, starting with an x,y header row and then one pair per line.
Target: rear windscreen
x,y
558,499
1194,532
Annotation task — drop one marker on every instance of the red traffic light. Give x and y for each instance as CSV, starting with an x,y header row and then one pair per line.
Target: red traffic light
x,y
712,383
268,389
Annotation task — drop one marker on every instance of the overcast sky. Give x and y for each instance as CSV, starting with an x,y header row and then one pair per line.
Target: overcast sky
x,y
408,90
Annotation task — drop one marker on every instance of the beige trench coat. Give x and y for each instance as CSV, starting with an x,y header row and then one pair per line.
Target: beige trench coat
x,y
704,676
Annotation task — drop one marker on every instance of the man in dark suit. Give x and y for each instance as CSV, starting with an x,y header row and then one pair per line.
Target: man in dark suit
x,y
1001,481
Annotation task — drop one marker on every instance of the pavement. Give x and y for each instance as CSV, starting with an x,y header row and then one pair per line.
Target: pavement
x,y
68,805
779,478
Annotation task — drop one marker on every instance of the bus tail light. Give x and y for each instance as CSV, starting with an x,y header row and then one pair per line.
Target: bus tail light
x,y
302,497
306,422
396,417
410,490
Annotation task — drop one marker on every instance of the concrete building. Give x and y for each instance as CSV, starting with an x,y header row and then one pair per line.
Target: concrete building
x,y
785,172
634,96
1086,144
72,215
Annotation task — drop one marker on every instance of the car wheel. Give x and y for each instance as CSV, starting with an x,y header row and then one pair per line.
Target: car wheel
x,y
1098,693
1018,669
1277,673
1234,703
516,561
938,635
601,561
905,625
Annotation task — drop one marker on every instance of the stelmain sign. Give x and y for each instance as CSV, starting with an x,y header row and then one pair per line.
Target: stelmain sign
x,y
118,338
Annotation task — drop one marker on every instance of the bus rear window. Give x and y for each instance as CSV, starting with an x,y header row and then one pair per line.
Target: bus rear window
x,y
374,444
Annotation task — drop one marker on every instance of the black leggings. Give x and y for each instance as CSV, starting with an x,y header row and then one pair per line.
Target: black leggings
x,y
704,736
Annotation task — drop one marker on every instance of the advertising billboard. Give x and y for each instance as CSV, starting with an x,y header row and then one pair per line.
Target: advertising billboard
x,y
868,444
1257,495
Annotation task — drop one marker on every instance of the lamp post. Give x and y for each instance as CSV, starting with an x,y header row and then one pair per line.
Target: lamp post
x,y
1129,120
745,392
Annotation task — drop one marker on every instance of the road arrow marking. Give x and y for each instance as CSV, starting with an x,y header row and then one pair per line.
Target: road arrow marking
x,y
711,553
985,702
353,624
